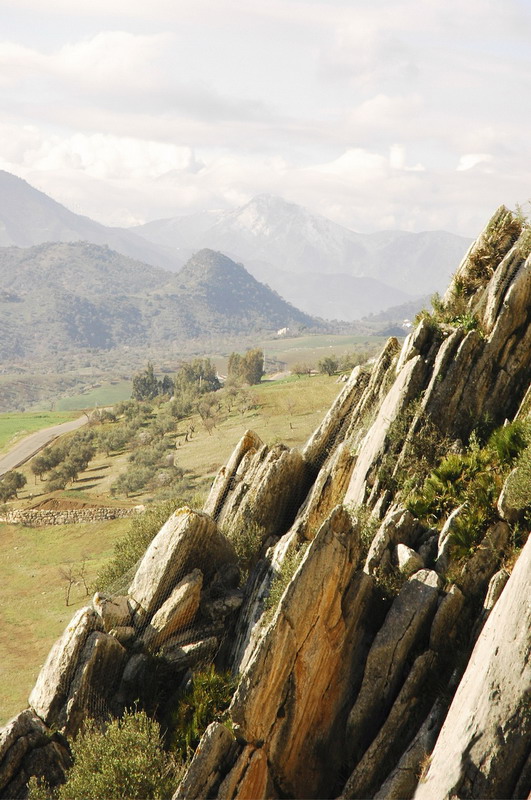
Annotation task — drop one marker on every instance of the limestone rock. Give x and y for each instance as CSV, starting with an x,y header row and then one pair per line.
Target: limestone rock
x,y
177,612
405,388
226,477
125,634
292,695
250,777
216,750
114,611
404,627
185,656
53,684
269,490
189,539
321,443
402,722
486,737
93,689
445,542
408,560
221,607
398,527
444,621
480,568
23,735
403,779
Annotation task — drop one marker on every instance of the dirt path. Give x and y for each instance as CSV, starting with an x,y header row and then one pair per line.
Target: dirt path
x,y
31,444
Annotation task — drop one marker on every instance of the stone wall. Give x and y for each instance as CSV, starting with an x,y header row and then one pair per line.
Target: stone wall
x,y
40,517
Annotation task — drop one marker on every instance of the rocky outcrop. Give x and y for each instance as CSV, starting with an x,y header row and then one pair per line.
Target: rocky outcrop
x,y
486,738
354,628
308,653
188,540
28,747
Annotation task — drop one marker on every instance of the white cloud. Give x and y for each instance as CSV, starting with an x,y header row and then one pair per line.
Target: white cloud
x,y
471,160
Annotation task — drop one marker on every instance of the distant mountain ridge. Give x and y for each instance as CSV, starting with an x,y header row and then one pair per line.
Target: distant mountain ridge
x,y
280,242
30,217
60,297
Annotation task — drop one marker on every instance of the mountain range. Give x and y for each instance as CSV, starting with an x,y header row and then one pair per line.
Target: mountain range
x,y
59,297
321,267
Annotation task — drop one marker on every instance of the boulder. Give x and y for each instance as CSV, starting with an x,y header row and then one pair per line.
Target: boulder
x,y
270,487
185,656
214,753
188,540
115,611
94,686
53,684
177,612
408,560
23,736
486,738
125,634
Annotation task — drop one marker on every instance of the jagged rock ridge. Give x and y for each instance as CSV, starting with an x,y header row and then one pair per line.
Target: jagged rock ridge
x,y
358,674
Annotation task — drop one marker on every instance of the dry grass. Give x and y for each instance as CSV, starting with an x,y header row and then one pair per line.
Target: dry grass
x,y
33,612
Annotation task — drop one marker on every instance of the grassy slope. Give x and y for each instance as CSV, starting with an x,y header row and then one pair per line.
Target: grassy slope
x,y
16,425
33,612
32,607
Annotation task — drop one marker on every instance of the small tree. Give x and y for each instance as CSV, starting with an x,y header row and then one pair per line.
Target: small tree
x,y
10,484
145,384
328,365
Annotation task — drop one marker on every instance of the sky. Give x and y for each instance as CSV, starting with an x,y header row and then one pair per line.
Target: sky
x,y
402,114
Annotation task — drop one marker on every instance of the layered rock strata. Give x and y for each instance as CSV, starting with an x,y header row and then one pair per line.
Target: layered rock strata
x,y
356,623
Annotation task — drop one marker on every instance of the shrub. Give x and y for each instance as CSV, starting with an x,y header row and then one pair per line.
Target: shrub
x,y
124,760
508,442
292,559
206,700
247,538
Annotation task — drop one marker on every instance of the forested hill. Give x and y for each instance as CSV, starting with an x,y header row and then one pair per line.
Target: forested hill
x,y
67,296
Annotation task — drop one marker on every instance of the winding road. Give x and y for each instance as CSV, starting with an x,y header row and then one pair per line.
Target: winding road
x,y
31,444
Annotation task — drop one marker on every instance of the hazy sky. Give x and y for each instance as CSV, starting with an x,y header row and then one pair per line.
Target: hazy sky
x,y
412,114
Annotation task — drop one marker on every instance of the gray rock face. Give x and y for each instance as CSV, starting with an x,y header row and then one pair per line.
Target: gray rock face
x,y
401,723
269,486
19,739
53,684
406,623
188,540
226,477
217,748
95,683
486,738
177,612
322,441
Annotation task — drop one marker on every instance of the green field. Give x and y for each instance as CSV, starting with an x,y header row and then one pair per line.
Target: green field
x,y
16,425
105,395
33,611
